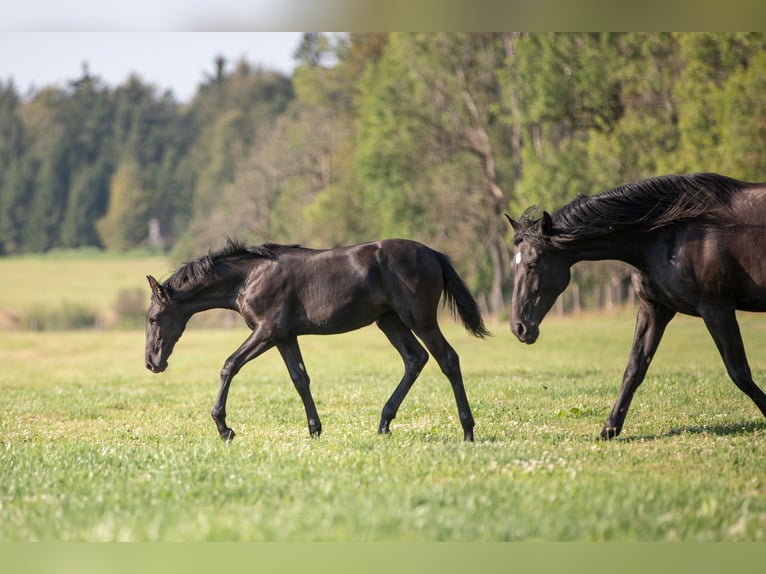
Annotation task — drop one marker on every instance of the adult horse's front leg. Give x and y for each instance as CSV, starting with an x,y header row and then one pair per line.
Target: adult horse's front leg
x,y
291,354
723,327
254,345
651,321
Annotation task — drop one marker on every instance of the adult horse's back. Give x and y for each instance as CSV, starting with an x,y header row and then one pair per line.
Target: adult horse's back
x,y
283,292
697,244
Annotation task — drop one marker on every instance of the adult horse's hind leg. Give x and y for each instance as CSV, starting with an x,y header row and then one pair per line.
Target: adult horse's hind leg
x,y
651,321
723,327
449,362
414,356
291,353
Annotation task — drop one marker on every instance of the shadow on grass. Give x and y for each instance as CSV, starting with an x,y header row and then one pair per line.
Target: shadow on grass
x,y
731,429
553,435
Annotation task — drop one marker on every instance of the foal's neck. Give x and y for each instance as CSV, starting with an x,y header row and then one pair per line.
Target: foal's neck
x,y
218,293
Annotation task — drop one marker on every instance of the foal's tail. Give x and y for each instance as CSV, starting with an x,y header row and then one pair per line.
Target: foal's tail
x,y
459,299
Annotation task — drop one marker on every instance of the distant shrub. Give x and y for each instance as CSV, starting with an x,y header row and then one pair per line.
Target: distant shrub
x,y
130,307
67,316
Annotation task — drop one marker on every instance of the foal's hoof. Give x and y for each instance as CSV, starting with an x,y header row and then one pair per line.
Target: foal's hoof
x,y
228,435
609,433
468,436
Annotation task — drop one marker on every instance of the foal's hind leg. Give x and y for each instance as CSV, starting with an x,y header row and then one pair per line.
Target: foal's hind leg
x,y
414,356
449,362
291,353
723,327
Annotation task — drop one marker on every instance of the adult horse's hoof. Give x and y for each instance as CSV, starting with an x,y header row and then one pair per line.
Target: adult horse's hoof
x,y
468,436
385,423
609,433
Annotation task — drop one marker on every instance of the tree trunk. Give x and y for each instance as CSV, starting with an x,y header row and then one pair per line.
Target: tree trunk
x,y
496,302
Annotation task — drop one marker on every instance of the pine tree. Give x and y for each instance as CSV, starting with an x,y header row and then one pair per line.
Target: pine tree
x,y
126,221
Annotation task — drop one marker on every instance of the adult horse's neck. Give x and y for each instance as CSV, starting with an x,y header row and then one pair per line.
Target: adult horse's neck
x,y
626,246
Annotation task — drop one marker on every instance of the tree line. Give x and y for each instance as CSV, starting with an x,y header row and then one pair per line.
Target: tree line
x,y
431,136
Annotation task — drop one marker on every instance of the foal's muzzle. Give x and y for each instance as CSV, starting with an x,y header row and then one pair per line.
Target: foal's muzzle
x,y
156,368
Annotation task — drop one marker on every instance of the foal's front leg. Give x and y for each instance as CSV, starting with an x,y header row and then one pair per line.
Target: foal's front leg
x,y
254,345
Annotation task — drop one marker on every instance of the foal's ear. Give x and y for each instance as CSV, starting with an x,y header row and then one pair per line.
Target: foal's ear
x,y
157,289
514,224
545,224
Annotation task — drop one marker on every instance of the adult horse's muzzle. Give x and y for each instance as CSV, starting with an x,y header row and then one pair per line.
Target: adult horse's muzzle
x,y
526,332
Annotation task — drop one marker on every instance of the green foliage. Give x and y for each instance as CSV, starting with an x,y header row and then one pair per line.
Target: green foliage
x,y
218,161
743,120
426,135
125,224
388,148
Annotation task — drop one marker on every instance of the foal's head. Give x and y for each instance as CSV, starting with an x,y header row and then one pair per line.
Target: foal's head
x,y
541,273
165,322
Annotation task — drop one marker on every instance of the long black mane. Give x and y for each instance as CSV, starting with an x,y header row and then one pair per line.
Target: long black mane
x,y
644,205
196,271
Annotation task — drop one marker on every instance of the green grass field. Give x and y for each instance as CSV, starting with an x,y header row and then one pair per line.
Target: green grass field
x,y
30,282
94,447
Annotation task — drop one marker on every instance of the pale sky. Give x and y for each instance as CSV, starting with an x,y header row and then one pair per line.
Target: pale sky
x,y
171,44
176,61
161,15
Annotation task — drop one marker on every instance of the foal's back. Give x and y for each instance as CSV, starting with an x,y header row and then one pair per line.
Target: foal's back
x,y
338,290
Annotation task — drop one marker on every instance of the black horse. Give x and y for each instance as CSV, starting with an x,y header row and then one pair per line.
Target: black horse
x,y
697,244
283,292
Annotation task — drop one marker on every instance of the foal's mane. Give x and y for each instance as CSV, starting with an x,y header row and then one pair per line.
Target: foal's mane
x,y
644,205
196,271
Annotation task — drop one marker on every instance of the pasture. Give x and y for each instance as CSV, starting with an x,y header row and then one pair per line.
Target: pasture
x,y
93,447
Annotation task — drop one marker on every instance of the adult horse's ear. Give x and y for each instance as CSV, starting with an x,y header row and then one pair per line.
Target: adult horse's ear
x,y
546,224
514,224
157,289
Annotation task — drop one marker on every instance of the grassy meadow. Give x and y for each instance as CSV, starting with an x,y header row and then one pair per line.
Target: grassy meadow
x,y
88,279
93,447
49,291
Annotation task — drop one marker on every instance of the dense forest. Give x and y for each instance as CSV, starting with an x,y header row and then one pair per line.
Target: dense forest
x,y
431,136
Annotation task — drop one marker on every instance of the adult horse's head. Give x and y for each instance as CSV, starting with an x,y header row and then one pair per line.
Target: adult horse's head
x,y
541,273
165,323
